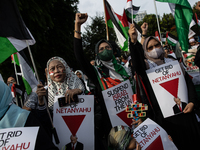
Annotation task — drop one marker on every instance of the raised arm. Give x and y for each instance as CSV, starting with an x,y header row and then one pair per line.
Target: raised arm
x,y
144,28
86,67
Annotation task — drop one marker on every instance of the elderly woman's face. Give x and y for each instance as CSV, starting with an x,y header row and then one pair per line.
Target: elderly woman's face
x,y
153,44
57,71
104,46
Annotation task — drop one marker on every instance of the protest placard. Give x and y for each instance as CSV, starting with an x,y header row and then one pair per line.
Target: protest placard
x,y
168,82
116,100
18,138
152,136
75,119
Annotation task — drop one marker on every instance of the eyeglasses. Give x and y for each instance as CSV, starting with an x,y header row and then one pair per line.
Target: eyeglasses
x,y
102,48
158,45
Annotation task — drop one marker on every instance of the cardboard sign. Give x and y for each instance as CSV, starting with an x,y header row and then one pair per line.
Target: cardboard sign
x,y
168,82
152,136
75,119
18,138
116,100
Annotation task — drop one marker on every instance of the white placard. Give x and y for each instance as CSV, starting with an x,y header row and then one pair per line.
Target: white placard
x,y
116,100
75,119
152,136
18,138
168,81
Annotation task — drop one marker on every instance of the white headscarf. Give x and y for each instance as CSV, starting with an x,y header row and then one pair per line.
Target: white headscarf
x,y
83,78
71,82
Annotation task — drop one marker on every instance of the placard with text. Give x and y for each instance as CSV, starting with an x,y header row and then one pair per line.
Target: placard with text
x,y
168,82
116,100
75,119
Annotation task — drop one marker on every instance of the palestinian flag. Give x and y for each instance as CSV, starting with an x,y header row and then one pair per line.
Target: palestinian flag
x,y
128,21
30,82
157,35
131,10
13,32
171,39
182,13
114,22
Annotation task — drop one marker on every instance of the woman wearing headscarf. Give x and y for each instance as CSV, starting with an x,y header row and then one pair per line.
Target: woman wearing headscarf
x,y
13,116
106,74
183,128
81,76
61,81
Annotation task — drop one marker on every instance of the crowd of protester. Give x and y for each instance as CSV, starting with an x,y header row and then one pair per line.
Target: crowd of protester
x,y
107,70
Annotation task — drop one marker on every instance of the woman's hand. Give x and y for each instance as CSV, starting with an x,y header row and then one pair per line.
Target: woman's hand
x,y
136,123
144,28
69,95
133,33
188,108
40,92
80,18
198,6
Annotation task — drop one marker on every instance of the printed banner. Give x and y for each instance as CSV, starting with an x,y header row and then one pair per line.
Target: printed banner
x,y
169,86
116,100
152,136
18,138
75,120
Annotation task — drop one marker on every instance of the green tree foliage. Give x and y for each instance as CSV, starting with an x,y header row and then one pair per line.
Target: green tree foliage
x,y
51,23
93,33
167,22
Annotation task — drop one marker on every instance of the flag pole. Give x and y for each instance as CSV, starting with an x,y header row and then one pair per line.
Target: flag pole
x,y
44,99
157,21
107,34
15,69
132,11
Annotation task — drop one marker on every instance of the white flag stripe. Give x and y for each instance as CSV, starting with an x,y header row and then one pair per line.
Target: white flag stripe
x,y
120,37
172,40
27,72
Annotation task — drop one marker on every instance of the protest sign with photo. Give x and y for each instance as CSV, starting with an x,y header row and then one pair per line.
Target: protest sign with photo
x,y
75,119
18,138
152,136
169,83
116,99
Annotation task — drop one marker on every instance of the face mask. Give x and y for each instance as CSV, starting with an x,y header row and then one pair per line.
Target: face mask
x,y
155,53
195,46
106,55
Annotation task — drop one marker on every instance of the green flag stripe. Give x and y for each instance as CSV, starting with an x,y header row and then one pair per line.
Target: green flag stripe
x,y
6,49
27,86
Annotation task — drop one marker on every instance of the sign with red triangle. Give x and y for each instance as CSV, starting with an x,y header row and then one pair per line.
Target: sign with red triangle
x,y
156,144
123,116
73,122
171,86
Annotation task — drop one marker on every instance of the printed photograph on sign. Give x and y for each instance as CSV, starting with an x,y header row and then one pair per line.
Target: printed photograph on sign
x,y
169,81
117,99
71,122
152,136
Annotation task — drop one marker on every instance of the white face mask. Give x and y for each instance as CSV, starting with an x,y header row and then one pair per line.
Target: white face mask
x,y
155,53
195,46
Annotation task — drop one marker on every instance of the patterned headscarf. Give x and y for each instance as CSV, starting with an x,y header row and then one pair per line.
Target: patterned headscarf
x,y
71,81
119,137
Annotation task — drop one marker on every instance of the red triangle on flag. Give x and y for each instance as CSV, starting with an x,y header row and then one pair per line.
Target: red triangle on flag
x,y
156,144
73,122
171,86
123,116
